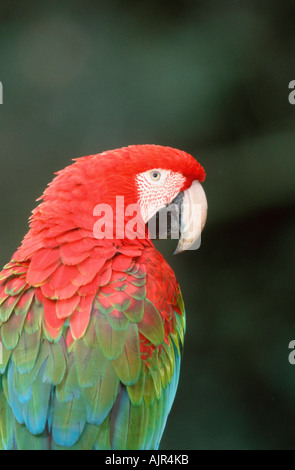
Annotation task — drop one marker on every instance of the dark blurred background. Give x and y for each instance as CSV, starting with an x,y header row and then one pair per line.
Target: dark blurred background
x,y
210,78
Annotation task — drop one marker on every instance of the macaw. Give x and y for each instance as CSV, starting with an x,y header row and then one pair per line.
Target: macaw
x,y
92,327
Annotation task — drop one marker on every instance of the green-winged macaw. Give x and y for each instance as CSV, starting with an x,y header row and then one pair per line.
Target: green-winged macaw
x,y
92,326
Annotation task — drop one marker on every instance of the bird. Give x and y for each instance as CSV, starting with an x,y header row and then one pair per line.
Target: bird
x,y
92,319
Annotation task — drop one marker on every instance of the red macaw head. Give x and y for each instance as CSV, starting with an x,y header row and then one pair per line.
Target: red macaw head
x,y
149,176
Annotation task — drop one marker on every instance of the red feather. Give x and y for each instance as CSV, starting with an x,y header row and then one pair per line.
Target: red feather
x,y
80,318
65,308
50,313
36,277
63,276
91,287
70,256
67,292
44,257
105,277
121,263
91,266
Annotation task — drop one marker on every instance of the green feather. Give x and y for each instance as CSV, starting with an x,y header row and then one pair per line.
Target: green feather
x,y
103,438
137,426
25,354
152,424
128,364
122,305
128,424
152,326
90,363
5,355
157,382
138,282
100,306
89,337
56,361
86,440
11,331
138,271
69,387
7,307
119,321
111,341
175,338
25,440
22,307
149,388
2,299
34,317
140,293
100,398
163,369
51,357
136,311
35,411
68,421
6,423
180,321
135,391
153,360
169,349
23,383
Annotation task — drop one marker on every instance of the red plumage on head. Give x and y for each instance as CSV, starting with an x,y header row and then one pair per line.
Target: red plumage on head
x,y
69,200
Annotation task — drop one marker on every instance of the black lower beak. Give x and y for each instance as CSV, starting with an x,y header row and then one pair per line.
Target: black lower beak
x,y
171,214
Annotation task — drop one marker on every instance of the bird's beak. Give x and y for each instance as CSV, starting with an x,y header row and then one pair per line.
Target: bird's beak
x,y
193,215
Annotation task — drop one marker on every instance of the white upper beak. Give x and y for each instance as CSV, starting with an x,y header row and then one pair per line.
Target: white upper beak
x,y
193,217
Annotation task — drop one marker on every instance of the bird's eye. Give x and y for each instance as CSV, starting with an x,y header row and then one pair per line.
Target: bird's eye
x,y
155,175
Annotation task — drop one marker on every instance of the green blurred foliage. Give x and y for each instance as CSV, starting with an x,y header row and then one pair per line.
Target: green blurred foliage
x,y
210,78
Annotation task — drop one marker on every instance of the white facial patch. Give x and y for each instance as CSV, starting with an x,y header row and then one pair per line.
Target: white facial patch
x,y
156,189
